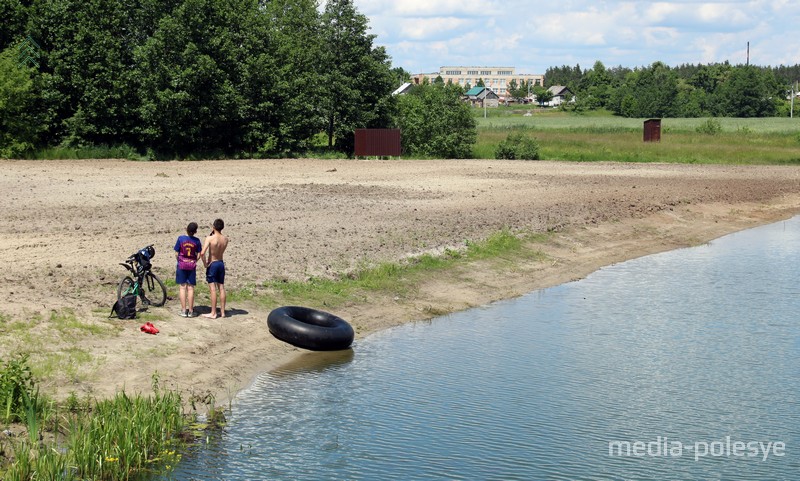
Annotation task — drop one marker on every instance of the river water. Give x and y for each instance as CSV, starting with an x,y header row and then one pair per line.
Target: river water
x,y
676,366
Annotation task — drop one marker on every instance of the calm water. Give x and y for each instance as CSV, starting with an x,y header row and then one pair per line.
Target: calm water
x,y
699,346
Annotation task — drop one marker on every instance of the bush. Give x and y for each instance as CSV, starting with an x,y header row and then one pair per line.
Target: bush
x,y
16,386
436,123
710,127
517,147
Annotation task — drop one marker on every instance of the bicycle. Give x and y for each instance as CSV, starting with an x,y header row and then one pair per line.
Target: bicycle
x,y
146,285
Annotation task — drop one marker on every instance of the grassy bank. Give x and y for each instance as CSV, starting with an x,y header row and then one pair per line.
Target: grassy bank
x,y
391,278
120,438
602,137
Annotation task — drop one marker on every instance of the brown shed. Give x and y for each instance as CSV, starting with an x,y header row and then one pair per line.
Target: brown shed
x,y
378,142
652,130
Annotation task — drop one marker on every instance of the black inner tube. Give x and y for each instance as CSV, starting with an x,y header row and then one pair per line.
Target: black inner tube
x,y
310,328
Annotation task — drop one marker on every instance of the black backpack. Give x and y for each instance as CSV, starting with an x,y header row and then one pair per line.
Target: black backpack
x,y
125,307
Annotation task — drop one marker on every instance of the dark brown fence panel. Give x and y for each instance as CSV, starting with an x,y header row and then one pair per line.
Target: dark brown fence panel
x,y
378,142
652,130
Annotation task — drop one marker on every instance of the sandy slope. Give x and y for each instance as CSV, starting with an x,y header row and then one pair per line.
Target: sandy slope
x,y
67,223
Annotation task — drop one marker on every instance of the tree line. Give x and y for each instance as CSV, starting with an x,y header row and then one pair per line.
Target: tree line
x,y
714,90
180,77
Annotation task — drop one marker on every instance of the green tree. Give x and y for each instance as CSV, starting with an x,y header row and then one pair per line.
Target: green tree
x,y
565,75
708,77
87,93
435,122
400,76
691,101
357,77
542,94
14,15
18,129
480,83
518,91
190,71
748,91
648,92
281,78
596,87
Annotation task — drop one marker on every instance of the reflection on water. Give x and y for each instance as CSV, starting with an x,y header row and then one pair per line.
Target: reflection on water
x,y
689,359
314,362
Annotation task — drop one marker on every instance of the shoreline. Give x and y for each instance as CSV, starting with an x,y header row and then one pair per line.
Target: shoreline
x,y
694,226
70,222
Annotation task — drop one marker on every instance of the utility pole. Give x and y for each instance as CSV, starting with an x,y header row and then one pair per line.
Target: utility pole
x,y
791,108
748,53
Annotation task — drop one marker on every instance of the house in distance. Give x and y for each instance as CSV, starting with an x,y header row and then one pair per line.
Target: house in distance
x,y
496,79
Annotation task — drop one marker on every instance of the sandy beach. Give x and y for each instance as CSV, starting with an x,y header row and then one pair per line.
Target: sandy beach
x,y
66,225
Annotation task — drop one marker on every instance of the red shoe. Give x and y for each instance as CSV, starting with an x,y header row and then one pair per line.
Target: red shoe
x,y
149,328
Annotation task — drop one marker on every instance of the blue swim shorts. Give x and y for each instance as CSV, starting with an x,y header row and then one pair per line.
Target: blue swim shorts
x,y
215,274
185,276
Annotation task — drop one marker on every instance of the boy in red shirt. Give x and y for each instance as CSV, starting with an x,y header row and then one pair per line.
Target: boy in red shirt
x,y
187,251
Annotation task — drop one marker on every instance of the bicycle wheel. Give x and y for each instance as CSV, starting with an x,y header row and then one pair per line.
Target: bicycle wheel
x,y
125,286
153,290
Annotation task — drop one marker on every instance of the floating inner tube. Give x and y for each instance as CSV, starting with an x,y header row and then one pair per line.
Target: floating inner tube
x,y
310,329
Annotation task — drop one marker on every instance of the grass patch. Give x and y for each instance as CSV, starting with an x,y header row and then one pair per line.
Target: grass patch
x,y
71,328
49,344
679,146
396,278
602,121
72,363
604,137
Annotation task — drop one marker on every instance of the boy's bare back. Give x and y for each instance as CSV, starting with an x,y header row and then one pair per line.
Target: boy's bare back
x,y
216,243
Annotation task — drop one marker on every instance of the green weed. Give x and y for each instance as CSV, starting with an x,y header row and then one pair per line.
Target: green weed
x,y
709,127
67,324
16,385
395,278
115,439
89,152
517,146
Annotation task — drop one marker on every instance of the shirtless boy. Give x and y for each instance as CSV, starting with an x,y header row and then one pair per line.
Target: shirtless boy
x,y
213,248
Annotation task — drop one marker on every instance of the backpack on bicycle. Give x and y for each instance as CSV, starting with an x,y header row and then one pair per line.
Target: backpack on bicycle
x,y
125,307
143,258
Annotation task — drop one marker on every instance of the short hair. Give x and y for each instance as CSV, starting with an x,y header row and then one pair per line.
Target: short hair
x,y
191,229
219,225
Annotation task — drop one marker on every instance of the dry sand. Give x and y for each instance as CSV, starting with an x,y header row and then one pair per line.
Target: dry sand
x,y
66,224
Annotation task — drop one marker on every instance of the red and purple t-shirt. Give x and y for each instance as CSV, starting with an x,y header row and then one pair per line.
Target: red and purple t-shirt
x,y
188,249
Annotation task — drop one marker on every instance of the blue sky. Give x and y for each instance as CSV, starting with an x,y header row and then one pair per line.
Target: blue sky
x,y
422,35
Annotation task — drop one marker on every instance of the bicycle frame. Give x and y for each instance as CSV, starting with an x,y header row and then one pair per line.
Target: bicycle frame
x,y
141,281
138,276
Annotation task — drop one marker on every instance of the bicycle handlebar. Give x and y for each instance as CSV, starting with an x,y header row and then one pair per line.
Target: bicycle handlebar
x,y
133,256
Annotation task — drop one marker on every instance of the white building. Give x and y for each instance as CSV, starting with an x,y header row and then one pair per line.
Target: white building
x,y
495,78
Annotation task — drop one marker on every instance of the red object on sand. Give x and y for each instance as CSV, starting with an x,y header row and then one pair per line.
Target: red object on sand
x,y
149,328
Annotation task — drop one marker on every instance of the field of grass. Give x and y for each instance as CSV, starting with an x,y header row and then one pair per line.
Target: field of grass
x,y
603,137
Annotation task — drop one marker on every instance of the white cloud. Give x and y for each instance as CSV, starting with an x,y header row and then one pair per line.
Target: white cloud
x,y
429,8
423,35
427,28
